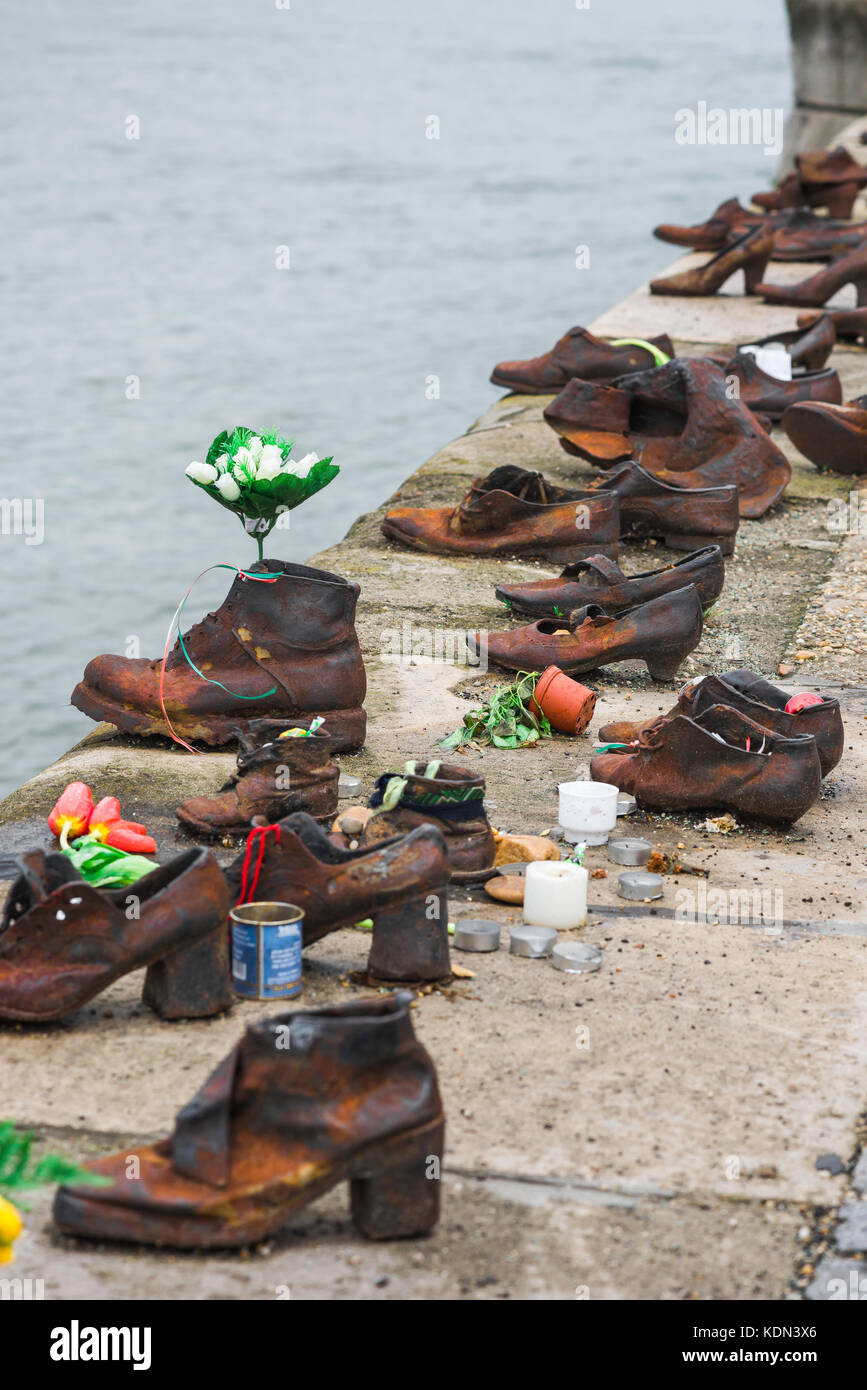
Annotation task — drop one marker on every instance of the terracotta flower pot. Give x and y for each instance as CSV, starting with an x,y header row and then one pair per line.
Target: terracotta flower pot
x,y
566,704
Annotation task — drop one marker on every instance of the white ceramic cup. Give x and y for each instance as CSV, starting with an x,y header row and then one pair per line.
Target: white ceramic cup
x,y
588,811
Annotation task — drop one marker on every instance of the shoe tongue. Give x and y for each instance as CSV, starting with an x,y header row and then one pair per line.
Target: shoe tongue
x,y
599,572
591,612
749,683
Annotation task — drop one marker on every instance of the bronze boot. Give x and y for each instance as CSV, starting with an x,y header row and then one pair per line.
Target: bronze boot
x,y
305,1100
274,777
831,436
661,632
513,512
749,253
579,353
601,581
751,695
441,794
681,424
62,941
401,883
290,642
719,759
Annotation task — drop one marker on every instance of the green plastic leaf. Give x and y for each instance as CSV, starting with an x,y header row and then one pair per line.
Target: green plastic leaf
x,y
18,1171
103,866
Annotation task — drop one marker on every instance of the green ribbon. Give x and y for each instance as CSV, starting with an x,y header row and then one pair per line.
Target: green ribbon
x,y
659,358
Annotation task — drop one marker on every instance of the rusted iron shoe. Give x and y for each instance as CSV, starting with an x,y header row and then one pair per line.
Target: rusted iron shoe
x,y
831,436
769,395
601,581
513,512
304,1101
661,633
729,220
578,353
828,179
816,290
401,884
749,253
685,518
751,695
850,325
806,237
681,424
62,942
808,347
274,777
291,642
719,759
441,794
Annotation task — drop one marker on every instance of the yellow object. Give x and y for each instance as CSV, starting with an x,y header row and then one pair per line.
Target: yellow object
x,y
11,1227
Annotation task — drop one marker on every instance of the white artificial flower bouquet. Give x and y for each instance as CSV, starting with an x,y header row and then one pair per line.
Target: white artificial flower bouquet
x,y
255,476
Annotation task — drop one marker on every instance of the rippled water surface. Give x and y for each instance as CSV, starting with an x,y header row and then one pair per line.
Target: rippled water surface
x,y
410,257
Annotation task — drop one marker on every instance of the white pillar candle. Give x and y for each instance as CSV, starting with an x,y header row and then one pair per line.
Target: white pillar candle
x,y
555,895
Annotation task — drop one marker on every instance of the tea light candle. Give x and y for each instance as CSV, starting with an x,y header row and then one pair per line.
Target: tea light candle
x,y
555,895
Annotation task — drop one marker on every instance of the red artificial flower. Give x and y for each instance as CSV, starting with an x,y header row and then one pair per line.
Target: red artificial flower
x,y
128,835
72,811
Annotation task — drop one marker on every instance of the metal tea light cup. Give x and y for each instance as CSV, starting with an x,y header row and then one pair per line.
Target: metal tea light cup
x,y
266,950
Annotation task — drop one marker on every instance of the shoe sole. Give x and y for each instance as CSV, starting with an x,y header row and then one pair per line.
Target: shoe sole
x,y
347,727
95,1220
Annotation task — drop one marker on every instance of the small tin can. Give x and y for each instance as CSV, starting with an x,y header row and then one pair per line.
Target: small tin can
x,y
474,934
629,851
532,941
576,958
266,950
639,886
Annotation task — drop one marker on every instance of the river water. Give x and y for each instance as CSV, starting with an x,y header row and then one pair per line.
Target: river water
x,y
156,156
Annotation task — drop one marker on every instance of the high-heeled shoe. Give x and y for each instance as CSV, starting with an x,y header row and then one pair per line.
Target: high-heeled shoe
x,y
850,269
306,1100
661,632
806,237
401,883
808,346
598,580
62,942
749,253
769,395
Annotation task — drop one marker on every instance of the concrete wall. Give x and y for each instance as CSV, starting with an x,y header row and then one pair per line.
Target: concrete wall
x,y
829,58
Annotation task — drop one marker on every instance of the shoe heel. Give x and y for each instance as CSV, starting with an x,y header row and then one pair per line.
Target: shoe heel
x,y
754,273
841,201
399,1196
684,541
664,667
192,982
411,941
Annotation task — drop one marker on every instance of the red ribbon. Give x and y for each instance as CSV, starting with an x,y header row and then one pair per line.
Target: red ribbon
x,y
262,831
